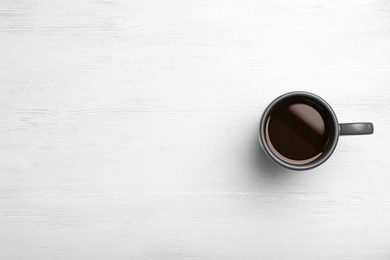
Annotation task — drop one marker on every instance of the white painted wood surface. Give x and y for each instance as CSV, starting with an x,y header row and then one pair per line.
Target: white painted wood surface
x,y
129,129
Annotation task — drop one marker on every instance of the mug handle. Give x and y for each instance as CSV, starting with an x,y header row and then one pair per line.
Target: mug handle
x,y
356,128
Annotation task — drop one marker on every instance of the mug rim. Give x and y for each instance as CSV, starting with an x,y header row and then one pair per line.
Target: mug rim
x,y
321,159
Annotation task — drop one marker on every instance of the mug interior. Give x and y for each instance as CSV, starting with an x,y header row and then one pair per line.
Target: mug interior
x,y
265,131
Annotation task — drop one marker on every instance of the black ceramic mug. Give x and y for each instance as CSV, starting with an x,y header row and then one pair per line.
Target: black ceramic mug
x,y
300,131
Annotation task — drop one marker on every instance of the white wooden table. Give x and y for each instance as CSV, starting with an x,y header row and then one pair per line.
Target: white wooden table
x,y
129,129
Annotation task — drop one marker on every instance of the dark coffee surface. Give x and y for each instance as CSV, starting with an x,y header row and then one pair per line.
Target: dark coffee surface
x,y
297,131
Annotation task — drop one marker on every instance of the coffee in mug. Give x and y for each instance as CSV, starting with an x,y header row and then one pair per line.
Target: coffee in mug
x,y
300,131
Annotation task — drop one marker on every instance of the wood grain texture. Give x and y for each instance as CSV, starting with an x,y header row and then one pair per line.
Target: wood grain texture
x,y
128,129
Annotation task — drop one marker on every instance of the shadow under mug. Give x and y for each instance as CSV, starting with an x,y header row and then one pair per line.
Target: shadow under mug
x,y
299,130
